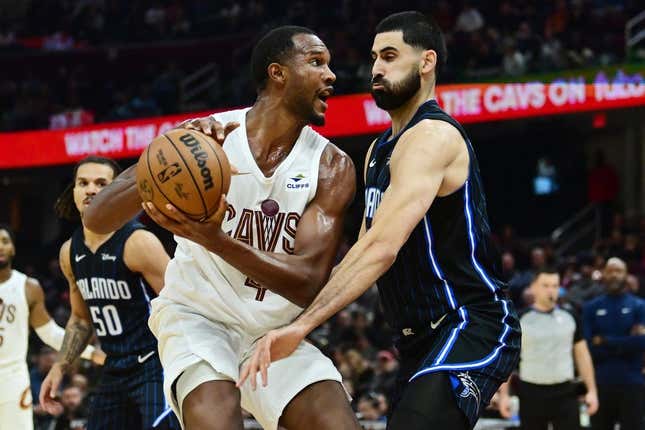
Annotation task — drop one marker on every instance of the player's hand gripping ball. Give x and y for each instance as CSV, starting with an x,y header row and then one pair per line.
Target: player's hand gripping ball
x,y
187,169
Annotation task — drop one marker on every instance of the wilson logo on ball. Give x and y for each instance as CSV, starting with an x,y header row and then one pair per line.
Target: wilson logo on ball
x,y
201,157
169,172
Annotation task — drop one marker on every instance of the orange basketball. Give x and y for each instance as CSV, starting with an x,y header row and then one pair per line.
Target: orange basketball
x,y
185,168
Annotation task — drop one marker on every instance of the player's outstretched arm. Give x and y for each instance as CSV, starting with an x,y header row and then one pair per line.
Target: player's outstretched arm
x,y
77,334
297,276
417,170
46,328
145,254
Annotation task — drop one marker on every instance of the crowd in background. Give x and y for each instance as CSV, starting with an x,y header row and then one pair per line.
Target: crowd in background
x,y
486,39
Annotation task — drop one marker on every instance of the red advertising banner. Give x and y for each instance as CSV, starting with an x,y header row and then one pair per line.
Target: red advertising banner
x,y
347,116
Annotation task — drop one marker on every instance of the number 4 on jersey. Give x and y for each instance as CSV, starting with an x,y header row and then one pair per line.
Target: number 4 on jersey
x,y
259,296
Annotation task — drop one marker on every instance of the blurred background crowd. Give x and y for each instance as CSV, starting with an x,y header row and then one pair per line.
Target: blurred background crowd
x,y
102,57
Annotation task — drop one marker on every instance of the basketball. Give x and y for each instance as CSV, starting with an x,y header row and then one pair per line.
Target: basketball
x,y
185,168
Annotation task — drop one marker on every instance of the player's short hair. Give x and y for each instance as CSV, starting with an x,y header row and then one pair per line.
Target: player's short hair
x,y
419,31
9,230
274,47
546,270
64,206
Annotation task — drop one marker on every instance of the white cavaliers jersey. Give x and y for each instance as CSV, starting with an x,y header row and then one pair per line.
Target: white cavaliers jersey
x,y
264,213
14,331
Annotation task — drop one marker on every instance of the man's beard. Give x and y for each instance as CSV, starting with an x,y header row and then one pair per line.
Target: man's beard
x,y
393,96
615,287
5,264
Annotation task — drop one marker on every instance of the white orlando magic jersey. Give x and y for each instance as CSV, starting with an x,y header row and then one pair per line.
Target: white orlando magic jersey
x,y
264,213
14,330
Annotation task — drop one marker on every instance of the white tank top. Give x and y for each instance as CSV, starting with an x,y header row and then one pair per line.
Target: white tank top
x,y
14,325
264,213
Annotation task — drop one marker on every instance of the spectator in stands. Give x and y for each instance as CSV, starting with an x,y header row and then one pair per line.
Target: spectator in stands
x,y
44,361
513,62
515,279
584,288
56,293
556,22
369,407
552,342
634,285
361,371
74,416
551,52
385,372
614,326
80,381
508,241
632,251
528,43
603,187
469,19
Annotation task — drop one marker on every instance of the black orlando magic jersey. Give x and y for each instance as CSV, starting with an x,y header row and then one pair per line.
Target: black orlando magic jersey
x,y
117,298
448,261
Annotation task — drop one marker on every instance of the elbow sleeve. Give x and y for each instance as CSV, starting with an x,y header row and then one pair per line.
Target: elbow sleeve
x,y
52,335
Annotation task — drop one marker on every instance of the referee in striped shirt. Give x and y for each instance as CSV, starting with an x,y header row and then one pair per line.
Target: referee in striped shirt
x,y
552,341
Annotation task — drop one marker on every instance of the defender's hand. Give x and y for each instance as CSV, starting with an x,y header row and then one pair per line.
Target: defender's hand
x,y
275,345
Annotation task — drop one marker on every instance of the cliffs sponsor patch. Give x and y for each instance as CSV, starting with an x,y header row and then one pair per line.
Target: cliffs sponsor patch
x,y
297,183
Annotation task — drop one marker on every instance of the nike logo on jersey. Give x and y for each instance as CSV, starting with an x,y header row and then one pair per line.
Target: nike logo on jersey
x,y
141,359
108,257
373,163
435,324
78,258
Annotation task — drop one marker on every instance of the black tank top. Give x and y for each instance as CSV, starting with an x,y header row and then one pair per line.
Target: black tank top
x,y
117,298
448,260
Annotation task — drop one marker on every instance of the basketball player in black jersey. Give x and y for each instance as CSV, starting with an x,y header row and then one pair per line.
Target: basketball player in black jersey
x,y
112,278
426,241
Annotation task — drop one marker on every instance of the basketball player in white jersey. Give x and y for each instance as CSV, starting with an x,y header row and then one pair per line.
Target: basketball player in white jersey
x,y
22,303
261,258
